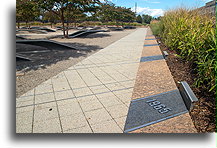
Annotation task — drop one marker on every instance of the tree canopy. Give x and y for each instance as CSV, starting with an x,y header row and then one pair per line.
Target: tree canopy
x,y
69,11
147,18
109,12
26,11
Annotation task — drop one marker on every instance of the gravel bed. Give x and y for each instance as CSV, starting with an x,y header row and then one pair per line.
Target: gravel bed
x,y
48,64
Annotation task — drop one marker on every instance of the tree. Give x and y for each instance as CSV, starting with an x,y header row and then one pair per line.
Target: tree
x,y
106,12
147,18
125,14
139,19
67,9
109,12
26,10
50,17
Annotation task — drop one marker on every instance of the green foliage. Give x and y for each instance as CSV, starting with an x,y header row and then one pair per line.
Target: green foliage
x,y
50,17
193,37
26,11
139,19
157,28
109,12
68,10
98,23
147,18
90,23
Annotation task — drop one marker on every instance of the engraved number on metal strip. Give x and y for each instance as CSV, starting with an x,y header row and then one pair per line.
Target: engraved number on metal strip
x,y
157,105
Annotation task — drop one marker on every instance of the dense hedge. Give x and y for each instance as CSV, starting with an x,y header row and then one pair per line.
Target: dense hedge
x,y
192,35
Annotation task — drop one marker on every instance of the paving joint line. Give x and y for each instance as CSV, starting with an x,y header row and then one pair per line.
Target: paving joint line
x,y
101,65
75,97
115,94
61,127
114,105
78,101
20,98
33,113
112,76
81,106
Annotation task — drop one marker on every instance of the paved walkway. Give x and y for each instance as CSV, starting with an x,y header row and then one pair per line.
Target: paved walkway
x,y
92,96
156,106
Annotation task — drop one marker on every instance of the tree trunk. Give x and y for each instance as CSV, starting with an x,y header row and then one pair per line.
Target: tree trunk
x,y
27,24
75,24
18,25
67,29
63,25
116,23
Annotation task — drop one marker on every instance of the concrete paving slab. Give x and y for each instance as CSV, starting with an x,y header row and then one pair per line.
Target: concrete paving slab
x,y
24,109
94,104
117,111
82,92
73,121
97,116
121,122
24,128
25,101
24,118
92,78
106,127
41,115
44,88
84,129
99,89
68,107
61,95
110,101
115,86
42,98
47,126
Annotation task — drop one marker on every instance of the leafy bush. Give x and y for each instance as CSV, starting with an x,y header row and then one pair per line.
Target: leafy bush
x,y
193,37
157,28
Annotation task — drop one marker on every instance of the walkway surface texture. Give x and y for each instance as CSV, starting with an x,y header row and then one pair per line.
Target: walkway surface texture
x,y
94,96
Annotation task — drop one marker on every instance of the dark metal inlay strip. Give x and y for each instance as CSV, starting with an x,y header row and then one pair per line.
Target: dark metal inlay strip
x,y
151,39
153,109
151,58
151,45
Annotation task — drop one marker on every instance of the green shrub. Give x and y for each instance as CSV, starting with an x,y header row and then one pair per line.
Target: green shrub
x,y
193,37
156,28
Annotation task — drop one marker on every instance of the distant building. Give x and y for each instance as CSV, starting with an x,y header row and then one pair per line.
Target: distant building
x,y
209,8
